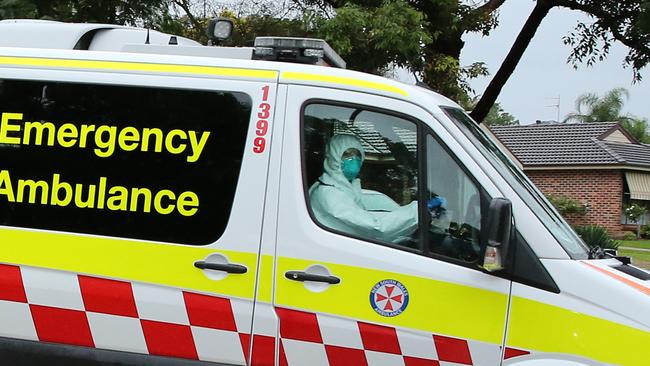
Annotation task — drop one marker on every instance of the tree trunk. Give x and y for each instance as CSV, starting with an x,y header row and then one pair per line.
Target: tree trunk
x,y
509,64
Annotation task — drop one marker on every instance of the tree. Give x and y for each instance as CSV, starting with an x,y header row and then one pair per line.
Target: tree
x,y
600,109
128,12
634,212
448,20
245,28
496,117
644,17
13,9
489,97
423,35
638,127
609,108
623,21
371,39
444,23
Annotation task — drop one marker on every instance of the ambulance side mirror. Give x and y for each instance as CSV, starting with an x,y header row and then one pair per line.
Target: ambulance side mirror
x,y
499,227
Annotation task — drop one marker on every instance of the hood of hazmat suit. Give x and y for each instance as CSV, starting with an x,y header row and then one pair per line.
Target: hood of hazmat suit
x,y
340,204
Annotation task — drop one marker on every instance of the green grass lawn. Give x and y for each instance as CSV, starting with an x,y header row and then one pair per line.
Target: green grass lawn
x,y
645,244
639,258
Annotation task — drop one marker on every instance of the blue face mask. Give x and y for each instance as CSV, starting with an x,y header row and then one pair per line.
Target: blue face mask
x,y
351,167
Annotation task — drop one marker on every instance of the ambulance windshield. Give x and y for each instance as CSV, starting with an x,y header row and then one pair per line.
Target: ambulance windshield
x,y
521,184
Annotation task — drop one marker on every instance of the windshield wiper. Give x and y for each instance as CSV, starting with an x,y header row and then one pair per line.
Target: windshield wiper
x,y
599,253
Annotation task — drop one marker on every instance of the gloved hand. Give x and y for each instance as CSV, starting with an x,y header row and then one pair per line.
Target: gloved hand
x,y
437,206
437,202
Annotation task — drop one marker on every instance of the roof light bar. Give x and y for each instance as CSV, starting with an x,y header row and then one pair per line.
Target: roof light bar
x,y
300,50
219,30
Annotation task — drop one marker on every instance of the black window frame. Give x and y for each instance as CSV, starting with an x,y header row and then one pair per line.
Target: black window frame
x,y
215,235
484,198
303,167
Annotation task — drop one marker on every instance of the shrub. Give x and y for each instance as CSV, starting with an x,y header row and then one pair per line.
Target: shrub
x,y
567,206
595,235
628,235
634,212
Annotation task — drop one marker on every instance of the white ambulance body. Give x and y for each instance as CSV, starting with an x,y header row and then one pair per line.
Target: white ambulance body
x,y
155,209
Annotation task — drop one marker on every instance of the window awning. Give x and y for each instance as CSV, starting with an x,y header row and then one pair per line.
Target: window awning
x,y
639,184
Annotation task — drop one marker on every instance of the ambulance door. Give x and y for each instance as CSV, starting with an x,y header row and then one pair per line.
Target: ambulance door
x,y
382,269
130,213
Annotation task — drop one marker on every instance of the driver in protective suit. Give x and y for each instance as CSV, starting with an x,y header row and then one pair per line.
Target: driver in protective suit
x,y
339,203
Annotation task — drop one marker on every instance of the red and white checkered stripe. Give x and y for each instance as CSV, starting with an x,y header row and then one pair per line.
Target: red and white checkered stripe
x,y
316,339
62,307
511,353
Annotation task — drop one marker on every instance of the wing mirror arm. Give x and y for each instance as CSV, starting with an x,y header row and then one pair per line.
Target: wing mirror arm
x,y
499,229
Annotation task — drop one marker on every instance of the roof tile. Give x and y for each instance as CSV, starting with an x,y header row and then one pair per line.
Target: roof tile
x,y
558,144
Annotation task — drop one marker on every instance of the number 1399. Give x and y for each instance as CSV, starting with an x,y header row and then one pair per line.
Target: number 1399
x,y
262,124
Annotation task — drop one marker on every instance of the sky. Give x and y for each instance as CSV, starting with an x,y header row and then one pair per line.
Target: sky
x,y
543,73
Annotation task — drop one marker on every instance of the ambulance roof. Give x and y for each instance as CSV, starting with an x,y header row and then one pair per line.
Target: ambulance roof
x,y
84,36
103,42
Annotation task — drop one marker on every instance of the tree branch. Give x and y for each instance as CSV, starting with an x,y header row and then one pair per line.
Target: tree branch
x,y
490,6
183,4
574,5
321,5
489,97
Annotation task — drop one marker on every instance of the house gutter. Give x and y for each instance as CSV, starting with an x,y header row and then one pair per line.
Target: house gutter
x,y
587,167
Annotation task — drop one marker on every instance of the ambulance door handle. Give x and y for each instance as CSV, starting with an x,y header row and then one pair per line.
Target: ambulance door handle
x,y
226,267
304,276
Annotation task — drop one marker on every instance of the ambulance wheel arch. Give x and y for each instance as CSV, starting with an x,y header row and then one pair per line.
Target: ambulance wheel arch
x,y
152,268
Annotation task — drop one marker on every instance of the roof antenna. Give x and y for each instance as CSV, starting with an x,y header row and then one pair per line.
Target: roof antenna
x,y
146,41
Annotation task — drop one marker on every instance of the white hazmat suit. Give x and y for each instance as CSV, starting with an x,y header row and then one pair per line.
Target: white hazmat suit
x,y
342,205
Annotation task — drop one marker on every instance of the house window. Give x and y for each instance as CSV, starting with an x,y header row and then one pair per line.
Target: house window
x,y
636,191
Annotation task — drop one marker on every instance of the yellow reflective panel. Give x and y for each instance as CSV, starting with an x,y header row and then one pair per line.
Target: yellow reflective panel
x,y
434,306
265,280
546,328
130,260
137,66
301,76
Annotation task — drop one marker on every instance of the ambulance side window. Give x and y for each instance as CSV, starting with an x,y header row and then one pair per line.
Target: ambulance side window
x,y
135,162
361,170
455,229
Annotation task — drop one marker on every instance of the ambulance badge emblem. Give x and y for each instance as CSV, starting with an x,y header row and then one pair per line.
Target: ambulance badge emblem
x,y
389,298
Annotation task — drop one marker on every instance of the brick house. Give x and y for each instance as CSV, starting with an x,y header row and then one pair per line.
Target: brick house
x,y
597,164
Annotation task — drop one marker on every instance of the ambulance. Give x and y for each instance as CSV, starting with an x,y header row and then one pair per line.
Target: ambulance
x,y
157,208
